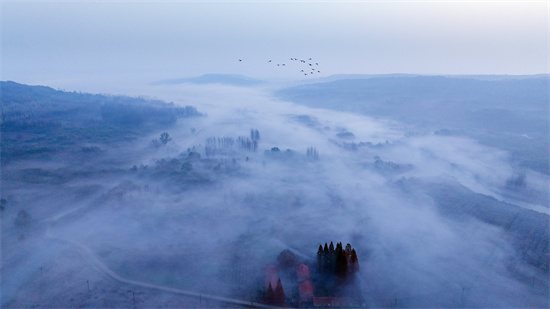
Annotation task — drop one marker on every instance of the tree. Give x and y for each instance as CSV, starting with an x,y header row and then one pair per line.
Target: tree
x,y
269,295
312,153
22,218
331,256
254,135
279,293
320,258
516,181
348,250
165,138
287,259
326,260
341,263
353,262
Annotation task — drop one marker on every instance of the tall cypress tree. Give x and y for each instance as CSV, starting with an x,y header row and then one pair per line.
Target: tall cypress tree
x,y
348,250
353,262
269,295
341,265
331,256
326,259
279,293
337,250
320,258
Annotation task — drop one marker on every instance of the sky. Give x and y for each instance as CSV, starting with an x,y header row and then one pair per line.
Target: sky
x,y
60,41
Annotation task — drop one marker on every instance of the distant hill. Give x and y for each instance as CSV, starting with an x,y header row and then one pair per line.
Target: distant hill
x,y
486,77
225,79
509,113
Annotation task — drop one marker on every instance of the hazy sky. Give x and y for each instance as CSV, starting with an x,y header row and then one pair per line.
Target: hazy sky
x,y
56,40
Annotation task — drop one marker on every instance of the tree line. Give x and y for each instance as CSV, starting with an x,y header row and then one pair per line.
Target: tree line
x,y
336,268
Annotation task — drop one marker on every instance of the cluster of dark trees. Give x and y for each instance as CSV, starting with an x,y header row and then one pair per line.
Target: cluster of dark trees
x,y
389,166
516,181
165,138
312,153
275,296
162,140
220,145
338,261
246,143
345,135
222,142
336,268
277,153
254,135
332,275
250,144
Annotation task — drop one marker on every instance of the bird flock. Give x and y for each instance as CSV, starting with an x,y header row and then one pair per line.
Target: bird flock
x,y
302,66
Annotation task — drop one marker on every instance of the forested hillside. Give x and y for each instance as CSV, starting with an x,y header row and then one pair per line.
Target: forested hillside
x,y
38,120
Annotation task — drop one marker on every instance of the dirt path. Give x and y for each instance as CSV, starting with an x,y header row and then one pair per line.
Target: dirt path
x,y
92,258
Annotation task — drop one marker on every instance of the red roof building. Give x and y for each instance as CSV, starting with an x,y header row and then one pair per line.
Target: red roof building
x,y
306,290
303,272
305,287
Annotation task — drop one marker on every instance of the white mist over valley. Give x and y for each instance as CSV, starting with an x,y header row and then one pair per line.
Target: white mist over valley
x,y
101,210
274,154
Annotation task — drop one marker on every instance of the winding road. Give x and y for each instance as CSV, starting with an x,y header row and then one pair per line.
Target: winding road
x,y
92,258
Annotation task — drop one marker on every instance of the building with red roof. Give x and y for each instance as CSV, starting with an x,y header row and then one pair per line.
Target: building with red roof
x,y
302,271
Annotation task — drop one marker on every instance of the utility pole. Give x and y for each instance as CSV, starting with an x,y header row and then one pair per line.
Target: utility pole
x,y
133,297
